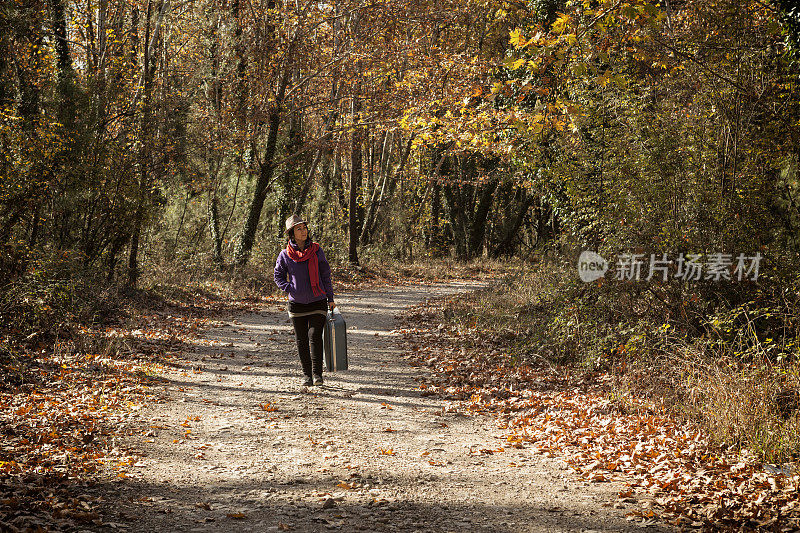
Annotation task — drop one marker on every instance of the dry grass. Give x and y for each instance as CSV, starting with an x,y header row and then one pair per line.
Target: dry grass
x,y
743,393
207,287
755,406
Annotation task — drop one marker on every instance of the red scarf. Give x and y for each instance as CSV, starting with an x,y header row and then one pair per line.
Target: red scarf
x,y
310,255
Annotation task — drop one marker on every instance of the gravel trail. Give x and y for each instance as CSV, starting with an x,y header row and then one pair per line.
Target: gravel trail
x,y
240,445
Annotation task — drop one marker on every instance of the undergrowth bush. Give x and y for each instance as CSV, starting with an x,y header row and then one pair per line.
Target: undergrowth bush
x,y
190,284
726,358
56,293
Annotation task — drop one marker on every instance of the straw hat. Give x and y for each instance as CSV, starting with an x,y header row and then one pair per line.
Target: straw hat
x,y
293,221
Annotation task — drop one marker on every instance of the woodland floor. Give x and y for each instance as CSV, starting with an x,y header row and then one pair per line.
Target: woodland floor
x,y
238,444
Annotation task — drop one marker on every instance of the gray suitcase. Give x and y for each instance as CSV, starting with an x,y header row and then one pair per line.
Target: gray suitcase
x,y
334,341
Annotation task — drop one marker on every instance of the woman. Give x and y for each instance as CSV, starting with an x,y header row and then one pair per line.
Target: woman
x,y
303,273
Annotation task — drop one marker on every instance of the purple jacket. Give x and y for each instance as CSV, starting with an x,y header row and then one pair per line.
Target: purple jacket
x,y
292,278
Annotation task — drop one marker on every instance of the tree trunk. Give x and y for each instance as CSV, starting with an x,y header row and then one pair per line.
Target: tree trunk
x,y
356,176
432,236
213,160
337,181
266,172
507,246
301,199
113,255
294,142
145,139
241,72
33,234
478,223
6,90
133,258
216,236
456,222
544,227
379,190
66,101
102,51
144,163
267,162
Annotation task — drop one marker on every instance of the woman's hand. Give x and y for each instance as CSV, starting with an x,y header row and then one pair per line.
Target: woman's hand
x,y
332,305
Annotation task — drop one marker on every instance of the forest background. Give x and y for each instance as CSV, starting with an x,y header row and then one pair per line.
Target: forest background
x,y
157,146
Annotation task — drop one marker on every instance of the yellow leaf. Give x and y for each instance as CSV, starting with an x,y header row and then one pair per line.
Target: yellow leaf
x,y
561,23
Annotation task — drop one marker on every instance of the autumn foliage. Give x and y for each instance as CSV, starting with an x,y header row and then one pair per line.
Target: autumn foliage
x,y
150,150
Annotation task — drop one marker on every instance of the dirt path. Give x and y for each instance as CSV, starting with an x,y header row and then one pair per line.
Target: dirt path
x,y
241,445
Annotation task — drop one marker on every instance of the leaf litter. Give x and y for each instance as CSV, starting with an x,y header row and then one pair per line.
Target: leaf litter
x,y
668,466
65,408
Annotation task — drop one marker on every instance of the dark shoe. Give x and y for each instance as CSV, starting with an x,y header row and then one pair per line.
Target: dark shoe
x,y
308,382
318,380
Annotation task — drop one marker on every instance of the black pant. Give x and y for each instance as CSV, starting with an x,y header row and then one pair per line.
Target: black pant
x,y
304,327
